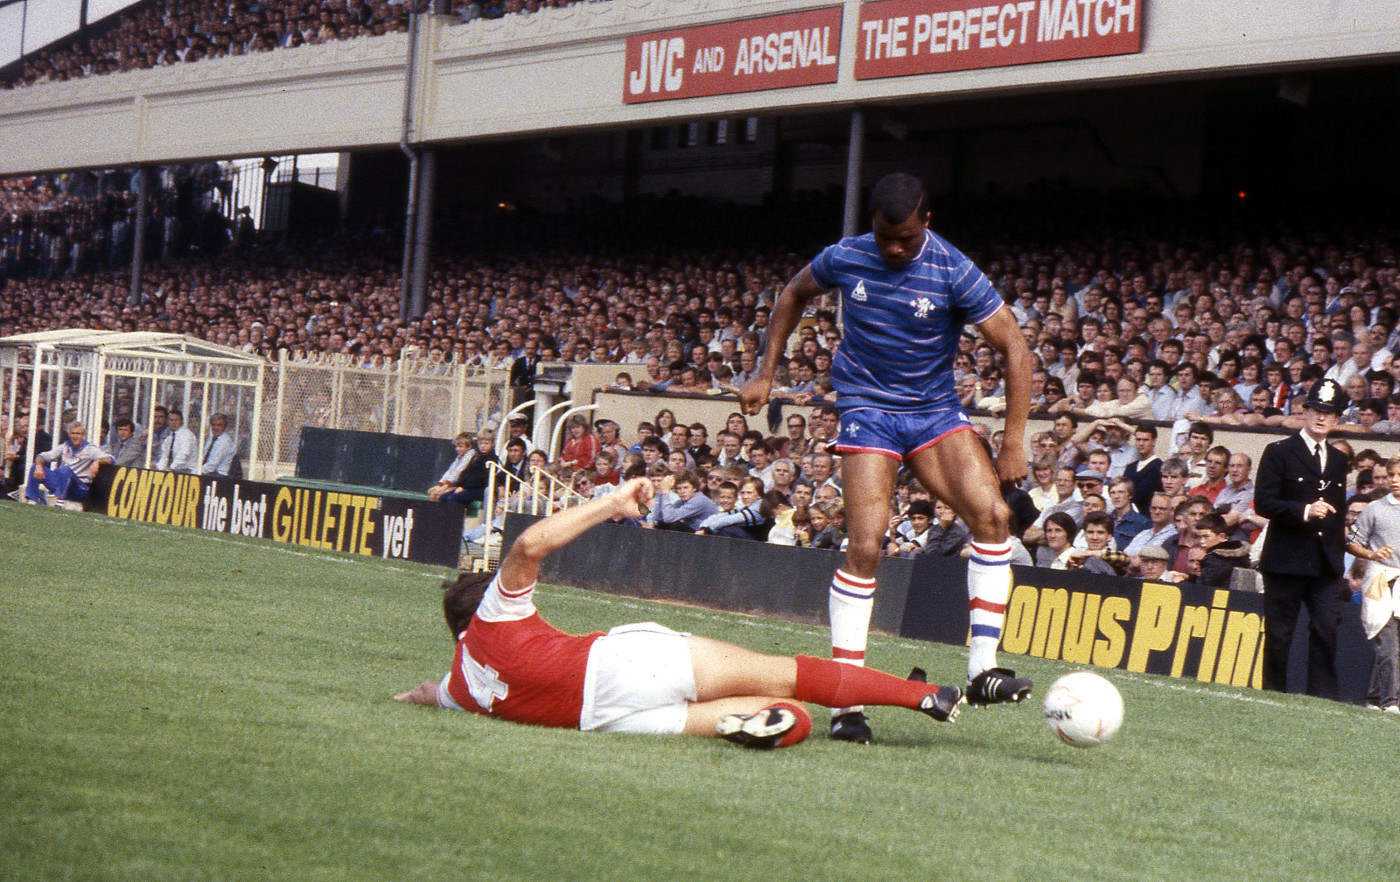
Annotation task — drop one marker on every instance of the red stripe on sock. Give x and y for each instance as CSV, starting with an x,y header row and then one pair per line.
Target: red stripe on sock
x,y
833,684
853,581
852,654
991,552
987,606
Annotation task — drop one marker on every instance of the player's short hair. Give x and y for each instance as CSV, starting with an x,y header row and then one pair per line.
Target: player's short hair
x,y
897,196
461,597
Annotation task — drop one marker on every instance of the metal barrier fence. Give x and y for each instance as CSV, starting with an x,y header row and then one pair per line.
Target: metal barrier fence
x,y
409,397
542,495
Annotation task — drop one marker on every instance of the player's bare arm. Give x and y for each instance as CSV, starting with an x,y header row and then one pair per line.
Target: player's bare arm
x,y
787,312
521,567
426,694
1001,331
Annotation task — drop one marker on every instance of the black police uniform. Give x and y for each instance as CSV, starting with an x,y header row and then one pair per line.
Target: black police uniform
x,y
1302,560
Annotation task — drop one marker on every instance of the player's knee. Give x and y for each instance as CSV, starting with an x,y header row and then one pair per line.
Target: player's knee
x,y
992,520
863,555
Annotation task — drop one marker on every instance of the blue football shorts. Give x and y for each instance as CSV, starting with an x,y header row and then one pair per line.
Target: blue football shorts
x,y
897,434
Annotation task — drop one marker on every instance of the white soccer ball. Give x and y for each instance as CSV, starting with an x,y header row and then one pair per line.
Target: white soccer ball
x,y
1083,709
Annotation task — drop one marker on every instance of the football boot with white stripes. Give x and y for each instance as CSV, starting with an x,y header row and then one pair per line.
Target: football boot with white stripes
x,y
762,730
997,686
942,705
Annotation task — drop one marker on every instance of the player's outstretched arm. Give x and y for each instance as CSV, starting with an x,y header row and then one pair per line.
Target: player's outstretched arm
x,y
1002,332
787,312
425,694
522,565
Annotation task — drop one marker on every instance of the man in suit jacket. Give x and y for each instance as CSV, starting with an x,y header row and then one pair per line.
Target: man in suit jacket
x,y
1301,489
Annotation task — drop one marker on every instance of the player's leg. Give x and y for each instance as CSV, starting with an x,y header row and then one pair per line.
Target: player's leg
x,y
867,481
750,721
956,469
754,681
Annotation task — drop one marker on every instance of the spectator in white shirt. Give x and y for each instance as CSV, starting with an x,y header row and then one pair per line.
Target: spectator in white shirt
x,y
180,452
218,450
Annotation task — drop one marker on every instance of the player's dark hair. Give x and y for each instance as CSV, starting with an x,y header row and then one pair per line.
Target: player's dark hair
x,y
461,597
898,196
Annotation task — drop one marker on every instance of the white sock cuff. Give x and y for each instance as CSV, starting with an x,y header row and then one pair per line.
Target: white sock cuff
x,y
990,554
852,587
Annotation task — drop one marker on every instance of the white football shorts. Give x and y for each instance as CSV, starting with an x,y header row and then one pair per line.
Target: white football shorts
x,y
639,679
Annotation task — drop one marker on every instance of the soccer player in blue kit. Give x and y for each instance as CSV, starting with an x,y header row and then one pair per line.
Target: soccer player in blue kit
x,y
906,296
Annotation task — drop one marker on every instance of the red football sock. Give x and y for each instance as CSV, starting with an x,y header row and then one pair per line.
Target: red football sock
x,y
803,727
831,683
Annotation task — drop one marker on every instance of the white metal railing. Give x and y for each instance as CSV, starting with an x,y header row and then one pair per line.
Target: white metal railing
x,y
542,494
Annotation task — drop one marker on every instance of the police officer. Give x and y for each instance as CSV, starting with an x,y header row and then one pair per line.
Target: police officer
x,y
1301,489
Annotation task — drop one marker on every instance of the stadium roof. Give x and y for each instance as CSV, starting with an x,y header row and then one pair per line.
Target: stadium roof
x,y
131,342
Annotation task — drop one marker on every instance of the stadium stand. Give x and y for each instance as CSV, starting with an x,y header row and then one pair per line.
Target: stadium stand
x,y
169,32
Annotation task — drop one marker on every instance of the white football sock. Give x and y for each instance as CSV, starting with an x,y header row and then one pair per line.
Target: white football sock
x,y
849,603
988,587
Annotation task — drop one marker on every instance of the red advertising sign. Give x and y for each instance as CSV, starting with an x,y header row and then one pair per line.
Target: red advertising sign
x,y
776,52
900,38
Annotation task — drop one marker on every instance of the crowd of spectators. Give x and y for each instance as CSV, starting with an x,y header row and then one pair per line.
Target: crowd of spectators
x,y
171,32
1144,342
55,226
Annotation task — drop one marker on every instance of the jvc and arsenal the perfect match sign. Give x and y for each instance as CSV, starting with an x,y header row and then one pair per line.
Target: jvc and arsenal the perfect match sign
x,y
776,52
904,37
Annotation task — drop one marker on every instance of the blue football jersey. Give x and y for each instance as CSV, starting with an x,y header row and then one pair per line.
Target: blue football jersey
x,y
901,327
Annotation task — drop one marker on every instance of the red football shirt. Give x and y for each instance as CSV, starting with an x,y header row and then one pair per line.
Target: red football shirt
x,y
511,663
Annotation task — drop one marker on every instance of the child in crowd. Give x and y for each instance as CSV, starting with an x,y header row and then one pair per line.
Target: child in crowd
x,y
685,507
750,519
946,534
726,496
828,524
919,518
1223,555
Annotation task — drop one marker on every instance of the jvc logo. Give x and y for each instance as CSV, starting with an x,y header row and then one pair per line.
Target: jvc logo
x,y
662,64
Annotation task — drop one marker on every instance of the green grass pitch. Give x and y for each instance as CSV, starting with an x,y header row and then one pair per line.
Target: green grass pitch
x,y
180,705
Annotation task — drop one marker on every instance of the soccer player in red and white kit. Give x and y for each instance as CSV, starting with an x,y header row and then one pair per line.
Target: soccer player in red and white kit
x,y
512,664
906,295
